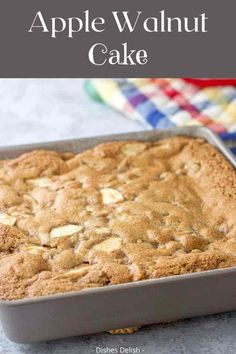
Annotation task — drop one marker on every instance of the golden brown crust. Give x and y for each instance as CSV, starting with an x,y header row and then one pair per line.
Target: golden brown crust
x,y
128,330
120,212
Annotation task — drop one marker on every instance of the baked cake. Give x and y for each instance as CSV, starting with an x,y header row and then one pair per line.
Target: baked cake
x,y
117,213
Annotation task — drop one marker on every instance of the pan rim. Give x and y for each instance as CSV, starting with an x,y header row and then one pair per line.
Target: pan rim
x,y
105,138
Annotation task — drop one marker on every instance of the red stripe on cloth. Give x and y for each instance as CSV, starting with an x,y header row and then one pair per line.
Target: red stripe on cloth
x,y
217,128
185,105
211,82
178,97
204,119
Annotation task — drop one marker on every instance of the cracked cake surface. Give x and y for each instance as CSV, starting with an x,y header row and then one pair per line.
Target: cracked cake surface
x,y
116,213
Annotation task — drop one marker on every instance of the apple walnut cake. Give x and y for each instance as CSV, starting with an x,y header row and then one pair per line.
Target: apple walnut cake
x,y
117,213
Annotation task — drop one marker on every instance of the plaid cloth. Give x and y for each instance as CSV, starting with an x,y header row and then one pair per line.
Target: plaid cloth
x,y
164,103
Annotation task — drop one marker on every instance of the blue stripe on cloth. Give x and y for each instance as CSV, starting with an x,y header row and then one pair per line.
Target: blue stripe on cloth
x,y
229,140
233,150
158,120
200,106
145,107
228,136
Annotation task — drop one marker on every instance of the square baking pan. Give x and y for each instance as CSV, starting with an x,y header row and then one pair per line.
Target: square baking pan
x,y
125,305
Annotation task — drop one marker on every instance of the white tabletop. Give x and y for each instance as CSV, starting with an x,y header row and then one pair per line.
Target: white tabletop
x,y
44,110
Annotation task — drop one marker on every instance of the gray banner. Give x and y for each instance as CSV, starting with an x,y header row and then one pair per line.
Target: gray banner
x,y
62,34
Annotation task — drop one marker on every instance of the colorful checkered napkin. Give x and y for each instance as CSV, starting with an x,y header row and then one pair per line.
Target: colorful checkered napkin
x,y
164,103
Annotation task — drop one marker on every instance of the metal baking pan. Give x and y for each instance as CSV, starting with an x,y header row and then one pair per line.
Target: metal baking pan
x,y
118,306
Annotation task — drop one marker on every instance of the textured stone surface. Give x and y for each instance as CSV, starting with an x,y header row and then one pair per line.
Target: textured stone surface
x,y
40,110
43,110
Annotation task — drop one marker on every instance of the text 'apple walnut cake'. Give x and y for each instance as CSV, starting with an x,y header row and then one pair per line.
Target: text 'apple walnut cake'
x,y
117,213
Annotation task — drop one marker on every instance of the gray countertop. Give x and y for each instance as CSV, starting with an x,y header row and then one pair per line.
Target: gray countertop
x,y
44,110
